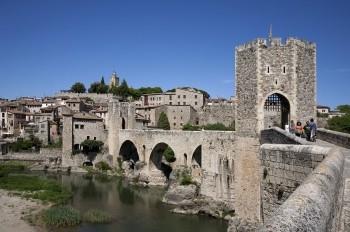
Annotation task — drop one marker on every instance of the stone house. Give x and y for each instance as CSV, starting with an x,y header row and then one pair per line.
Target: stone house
x,y
179,96
83,126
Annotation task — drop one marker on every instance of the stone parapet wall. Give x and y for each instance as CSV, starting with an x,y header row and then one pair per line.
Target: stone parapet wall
x,y
284,168
276,135
338,138
44,155
315,204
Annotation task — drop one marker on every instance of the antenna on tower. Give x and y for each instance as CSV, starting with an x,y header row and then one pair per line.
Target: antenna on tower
x,y
270,33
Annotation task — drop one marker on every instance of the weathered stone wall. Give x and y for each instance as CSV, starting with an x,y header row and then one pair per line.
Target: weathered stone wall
x,y
94,96
335,137
223,113
315,204
276,135
44,155
217,155
267,67
246,89
284,168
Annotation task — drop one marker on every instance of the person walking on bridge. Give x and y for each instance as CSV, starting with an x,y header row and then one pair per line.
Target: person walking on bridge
x,y
313,129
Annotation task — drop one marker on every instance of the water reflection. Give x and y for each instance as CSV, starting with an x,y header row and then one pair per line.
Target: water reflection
x,y
134,209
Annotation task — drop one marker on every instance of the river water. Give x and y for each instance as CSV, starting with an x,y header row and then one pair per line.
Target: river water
x,y
134,209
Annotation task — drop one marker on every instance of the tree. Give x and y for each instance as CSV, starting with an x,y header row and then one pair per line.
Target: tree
x,y
91,146
163,122
169,154
344,109
78,87
102,81
94,87
341,124
98,87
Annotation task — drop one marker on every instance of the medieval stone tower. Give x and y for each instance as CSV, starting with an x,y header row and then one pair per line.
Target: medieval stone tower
x,y
121,115
275,83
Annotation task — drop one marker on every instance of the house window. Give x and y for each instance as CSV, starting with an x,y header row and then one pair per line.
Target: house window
x,y
184,96
170,103
170,97
178,103
81,126
88,137
76,126
178,96
174,117
94,138
184,103
195,96
74,105
3,114
195,103
174,124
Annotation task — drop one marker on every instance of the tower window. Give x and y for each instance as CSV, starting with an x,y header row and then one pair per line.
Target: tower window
x,y
284,69
268,69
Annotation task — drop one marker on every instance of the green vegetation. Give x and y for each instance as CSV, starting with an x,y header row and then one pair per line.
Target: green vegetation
x,y
321,115
91,146
11,166
189,127
57,144
344,109
35,187
32,143
97,216
184,177
341,124
103,166
215,126
169,154
61,216
163,122
99,87
78,87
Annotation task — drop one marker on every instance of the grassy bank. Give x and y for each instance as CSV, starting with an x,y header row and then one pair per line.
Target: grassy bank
x,y
13,179
36,188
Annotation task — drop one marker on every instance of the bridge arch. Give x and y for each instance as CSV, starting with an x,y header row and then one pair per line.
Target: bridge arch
x,y
128,152
157,160
196,163
276,110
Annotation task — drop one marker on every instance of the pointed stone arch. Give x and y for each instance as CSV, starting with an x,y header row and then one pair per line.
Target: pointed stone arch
x,y
128,152
277,110
157,162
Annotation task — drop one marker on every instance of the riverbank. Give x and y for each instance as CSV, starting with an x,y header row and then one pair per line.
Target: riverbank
x,y
13,211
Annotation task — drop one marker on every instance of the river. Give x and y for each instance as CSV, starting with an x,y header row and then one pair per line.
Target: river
x,y
134,209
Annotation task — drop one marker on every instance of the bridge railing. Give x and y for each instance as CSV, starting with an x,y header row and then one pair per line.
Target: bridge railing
x,y
315,204
335,137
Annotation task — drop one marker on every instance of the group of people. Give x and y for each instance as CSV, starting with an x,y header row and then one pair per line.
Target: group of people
x,y
307,131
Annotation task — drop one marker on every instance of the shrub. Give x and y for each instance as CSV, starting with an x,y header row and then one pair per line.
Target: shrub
x,y
26,144
163,122
169,154
102,166
341,124
61,216
184,177
97,216
91,145
189,127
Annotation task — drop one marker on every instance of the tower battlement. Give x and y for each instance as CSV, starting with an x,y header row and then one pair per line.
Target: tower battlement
x,y
276,41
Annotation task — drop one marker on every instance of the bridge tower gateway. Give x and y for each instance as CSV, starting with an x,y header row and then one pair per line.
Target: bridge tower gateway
x,y
275,83
121,115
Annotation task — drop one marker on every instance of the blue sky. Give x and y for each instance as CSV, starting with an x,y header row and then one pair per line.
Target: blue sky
x,y
46,46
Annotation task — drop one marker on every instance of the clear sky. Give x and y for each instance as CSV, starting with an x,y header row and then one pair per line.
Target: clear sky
x,y
47,45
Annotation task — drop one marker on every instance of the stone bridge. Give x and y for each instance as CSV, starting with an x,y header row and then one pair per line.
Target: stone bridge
x,y
225,164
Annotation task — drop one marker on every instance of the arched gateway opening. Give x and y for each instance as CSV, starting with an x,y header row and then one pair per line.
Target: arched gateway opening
x,y
128,152
161,158
196,163
276,111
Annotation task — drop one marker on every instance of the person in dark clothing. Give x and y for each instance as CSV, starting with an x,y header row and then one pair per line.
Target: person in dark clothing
x,y
307,131
313,129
